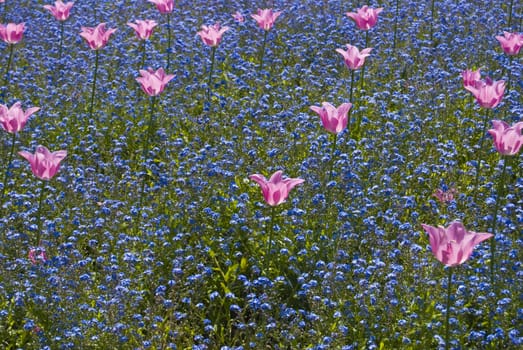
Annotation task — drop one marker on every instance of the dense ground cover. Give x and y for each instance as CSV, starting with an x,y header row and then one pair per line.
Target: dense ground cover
x,y
162,242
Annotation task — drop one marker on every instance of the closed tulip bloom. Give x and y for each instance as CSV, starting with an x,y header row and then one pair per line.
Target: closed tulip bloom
x,y
353,58
14,119
44,164
265,18
12,33
153,83
60,11
96,37
143,29
453,245
37,255
276,190
511,43
366,17
445,196
507,139
334,119
470,77
164,6
238,17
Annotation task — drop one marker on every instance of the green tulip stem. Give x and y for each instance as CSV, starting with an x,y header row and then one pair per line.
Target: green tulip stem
x,y
6,174
61,40
209,85
168,41
6,79
499,194
146,148
262,52
481,141
39,217
396,16
447,312
93,86
142,63
269,242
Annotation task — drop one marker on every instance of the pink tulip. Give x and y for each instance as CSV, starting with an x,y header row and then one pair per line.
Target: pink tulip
x,y
354,59
445,196
60,11
96,37
511,43
453,245
212,35
508,140
164,6
470,77
44,164
14,119
143,29
12,33
37,255
276,190
334,119
266,18
238,17
366,17
153,83
488,93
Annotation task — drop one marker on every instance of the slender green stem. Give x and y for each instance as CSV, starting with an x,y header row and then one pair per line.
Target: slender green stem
x,y
94,86
395,26
61,40
333,151
146,148
432,20
39,217
500,193
6,79
509,23
4,15
6,174
480,151
363,68
142,63
262,53
350,100
168,41
271,233
209,85
447,312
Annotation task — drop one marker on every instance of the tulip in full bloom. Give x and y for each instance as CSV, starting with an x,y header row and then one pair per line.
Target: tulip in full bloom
x,y
334,119
353,58
60,11
97,37
508,140
453,245
12,33
470,77
366,17
164,6
488,93
276,190
511,43
238,17
143,29
14,119
153,83
265,18
44,164
212,35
